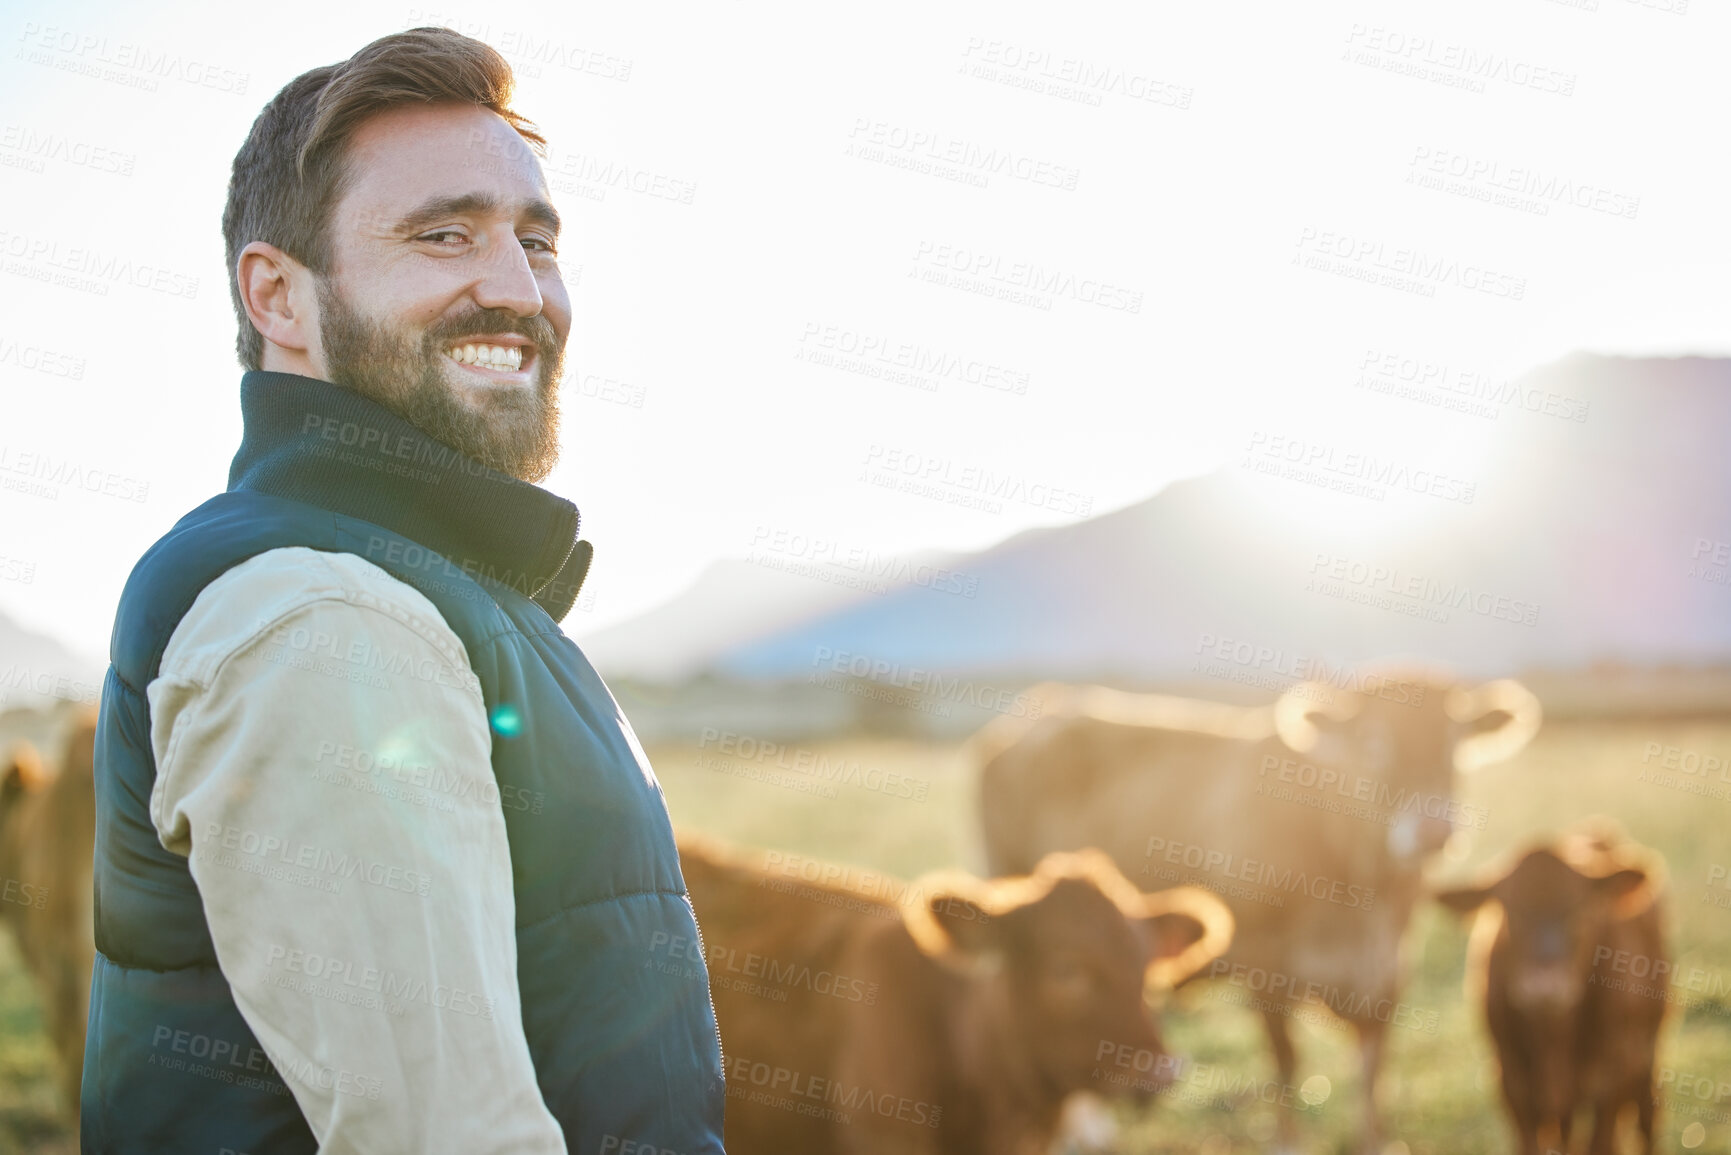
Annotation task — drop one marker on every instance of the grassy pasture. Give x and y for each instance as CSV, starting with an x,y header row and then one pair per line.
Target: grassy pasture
x,y
1441,1094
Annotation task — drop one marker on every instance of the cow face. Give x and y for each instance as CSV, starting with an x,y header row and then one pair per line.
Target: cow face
x,y
1402,736
1553,918
1066,955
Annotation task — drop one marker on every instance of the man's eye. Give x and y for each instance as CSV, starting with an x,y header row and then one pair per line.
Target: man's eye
x,y
441,233
545,246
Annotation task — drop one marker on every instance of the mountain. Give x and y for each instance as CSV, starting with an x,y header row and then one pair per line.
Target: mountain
x,y
36,670
736,601
1595,532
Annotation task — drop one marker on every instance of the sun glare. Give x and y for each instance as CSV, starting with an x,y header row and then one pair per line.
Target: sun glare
x,y
1359,467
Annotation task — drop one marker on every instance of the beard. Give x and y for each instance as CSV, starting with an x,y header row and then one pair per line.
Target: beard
x,y
508,429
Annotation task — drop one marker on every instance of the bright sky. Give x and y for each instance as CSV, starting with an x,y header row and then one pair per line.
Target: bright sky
x,y
749,191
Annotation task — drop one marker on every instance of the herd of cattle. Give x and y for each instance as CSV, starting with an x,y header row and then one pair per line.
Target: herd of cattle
x,y
1134,843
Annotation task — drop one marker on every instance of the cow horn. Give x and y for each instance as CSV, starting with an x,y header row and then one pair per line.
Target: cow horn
x,y
1466,706
1293,711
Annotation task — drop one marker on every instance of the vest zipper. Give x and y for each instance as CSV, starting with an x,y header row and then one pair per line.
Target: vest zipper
x,y
576,526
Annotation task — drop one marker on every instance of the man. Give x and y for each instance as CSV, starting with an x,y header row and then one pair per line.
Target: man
x,y
379,865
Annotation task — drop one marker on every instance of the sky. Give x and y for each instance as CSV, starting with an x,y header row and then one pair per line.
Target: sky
x,y
900,278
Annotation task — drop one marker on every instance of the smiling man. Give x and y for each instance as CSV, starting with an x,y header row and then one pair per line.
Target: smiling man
x,y
379,865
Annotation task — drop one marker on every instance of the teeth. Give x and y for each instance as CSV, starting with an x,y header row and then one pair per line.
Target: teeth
x,y
505,357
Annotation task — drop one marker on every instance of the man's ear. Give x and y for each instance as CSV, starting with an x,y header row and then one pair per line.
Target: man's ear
x,y
1464,899
281,298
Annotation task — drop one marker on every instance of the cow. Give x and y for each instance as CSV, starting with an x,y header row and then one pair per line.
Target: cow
x,y
862,1014
1569,962
47,843
1312,817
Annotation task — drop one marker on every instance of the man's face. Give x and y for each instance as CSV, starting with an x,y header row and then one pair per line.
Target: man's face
x,y
446,238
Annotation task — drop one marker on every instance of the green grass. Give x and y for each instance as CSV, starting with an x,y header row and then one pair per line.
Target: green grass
x,y
1440,1090
31,1118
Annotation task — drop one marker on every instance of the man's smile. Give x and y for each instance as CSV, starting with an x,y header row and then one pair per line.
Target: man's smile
x,y
495,357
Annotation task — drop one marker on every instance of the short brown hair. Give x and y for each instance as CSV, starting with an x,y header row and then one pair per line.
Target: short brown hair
x,y
292,170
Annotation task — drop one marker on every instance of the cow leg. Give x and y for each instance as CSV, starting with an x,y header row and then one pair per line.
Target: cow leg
x,y
1646,1108
1286,1068
1372,1040
1523,1110
66,1024
1605,1114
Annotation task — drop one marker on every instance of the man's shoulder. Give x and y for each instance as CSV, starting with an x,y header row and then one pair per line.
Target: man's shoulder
x,y
229,527
311,598
200,547
359,562
302,553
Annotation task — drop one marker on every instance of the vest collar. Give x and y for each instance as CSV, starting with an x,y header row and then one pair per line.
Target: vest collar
x,y
314,442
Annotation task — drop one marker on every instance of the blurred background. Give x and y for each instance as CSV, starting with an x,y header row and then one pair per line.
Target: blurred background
x,y
921,356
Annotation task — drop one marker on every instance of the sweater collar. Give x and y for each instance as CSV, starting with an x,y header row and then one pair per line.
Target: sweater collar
x,y
317,443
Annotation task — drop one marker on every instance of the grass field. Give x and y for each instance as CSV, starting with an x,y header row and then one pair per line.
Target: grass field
x,y
1441,1096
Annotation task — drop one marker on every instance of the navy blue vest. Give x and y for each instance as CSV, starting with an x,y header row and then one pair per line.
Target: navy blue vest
x,y
625,1047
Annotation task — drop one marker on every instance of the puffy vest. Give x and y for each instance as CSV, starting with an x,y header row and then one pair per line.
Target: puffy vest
x,y
623,1050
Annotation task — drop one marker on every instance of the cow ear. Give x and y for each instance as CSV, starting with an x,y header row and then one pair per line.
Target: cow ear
x,y
1186,928
1171,934
966,925
24,772
1463,899
24,766
1493,722
1621,883
952,926
1311,716
1488,722
1625,890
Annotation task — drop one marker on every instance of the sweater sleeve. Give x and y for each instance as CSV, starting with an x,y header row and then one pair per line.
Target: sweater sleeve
x,y
323,760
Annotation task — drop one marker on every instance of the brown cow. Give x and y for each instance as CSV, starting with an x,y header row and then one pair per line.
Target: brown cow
x,y
955,1020
47,841
1558,937
1312,817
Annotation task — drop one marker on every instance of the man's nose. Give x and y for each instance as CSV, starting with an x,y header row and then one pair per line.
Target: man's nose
x,y
507,282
